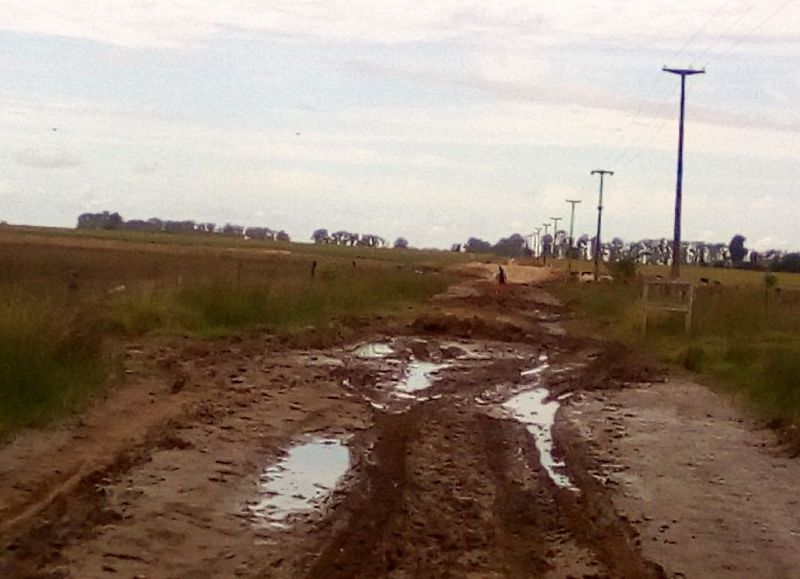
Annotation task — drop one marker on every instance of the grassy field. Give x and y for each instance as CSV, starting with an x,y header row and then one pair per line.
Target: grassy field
x,y
63,292
725,276
743,338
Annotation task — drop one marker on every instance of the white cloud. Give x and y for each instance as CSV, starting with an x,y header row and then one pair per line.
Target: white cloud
x,y
177,23
46,158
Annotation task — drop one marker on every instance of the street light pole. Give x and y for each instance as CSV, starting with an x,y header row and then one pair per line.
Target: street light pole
x,y
676,238
602,173
573,203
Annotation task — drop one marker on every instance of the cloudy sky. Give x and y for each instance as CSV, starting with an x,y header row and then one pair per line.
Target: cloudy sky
x,y
433,120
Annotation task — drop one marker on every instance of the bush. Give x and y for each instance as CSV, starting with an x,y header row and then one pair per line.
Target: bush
x,y
624,269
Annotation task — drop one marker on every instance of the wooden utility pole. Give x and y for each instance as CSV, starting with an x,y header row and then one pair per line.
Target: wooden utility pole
x,y
676,238
602,173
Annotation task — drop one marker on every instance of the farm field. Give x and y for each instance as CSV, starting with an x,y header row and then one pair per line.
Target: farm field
x,y
190,407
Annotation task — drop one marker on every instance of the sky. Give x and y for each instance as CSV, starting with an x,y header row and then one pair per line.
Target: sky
x,y
436,121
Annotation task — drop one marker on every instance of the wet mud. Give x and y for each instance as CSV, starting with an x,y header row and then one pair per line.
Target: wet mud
x,y
423,447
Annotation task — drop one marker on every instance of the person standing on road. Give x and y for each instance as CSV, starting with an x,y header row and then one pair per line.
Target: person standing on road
x,y
501,279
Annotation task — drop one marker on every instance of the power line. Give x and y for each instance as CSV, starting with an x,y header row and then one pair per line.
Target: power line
x,y
700,30
728,30
753,30
657,80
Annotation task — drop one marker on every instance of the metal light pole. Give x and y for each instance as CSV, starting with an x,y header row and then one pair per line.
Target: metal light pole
x,y
602,173
676,238
573,203
555,230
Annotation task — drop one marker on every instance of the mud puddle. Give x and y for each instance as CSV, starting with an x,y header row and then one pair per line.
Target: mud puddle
x,y
301,482
374,350
539,416
419,376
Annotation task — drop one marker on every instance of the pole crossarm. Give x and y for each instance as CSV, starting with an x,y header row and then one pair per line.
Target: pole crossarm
x,y
684,71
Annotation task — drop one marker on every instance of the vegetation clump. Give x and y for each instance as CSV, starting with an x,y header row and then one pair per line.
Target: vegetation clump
x,y
49,362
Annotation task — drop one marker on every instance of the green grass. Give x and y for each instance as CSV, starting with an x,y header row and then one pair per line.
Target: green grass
x,y
727,276
49,363
742,342
52,360
223,307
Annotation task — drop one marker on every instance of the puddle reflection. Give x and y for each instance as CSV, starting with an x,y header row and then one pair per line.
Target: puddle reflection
x,y
539,416
301,481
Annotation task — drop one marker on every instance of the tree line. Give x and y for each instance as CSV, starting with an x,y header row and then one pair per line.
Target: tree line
x,y
351,239
114,221
643,252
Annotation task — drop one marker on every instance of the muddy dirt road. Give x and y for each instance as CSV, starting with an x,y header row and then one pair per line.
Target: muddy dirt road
x,y
468,438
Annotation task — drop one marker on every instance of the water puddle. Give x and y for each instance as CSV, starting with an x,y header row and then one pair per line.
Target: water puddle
x,y
419,376
302,481
374,350
535,371
539,416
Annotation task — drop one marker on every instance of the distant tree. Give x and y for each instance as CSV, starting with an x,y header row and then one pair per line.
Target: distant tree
x,y
401,243
230,230
737,250
137,225
320,236
282,236
257,233
178,226
475,245
456,247
787,262
104,220
156,224
513,246
547,244
206,227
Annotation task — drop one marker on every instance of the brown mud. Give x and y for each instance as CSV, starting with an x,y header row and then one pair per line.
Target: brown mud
x,y
175,473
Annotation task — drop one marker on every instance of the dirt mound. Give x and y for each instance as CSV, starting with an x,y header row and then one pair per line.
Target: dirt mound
x,y
474,327
617,366
515,273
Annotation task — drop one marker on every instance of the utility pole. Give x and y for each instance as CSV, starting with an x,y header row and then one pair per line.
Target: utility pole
x,y
676,238
602,173
544,254
555,230
538,241
573,203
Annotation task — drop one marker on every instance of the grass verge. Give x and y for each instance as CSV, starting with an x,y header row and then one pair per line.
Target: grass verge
x,y
49,363
224,307
52,360
742,342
